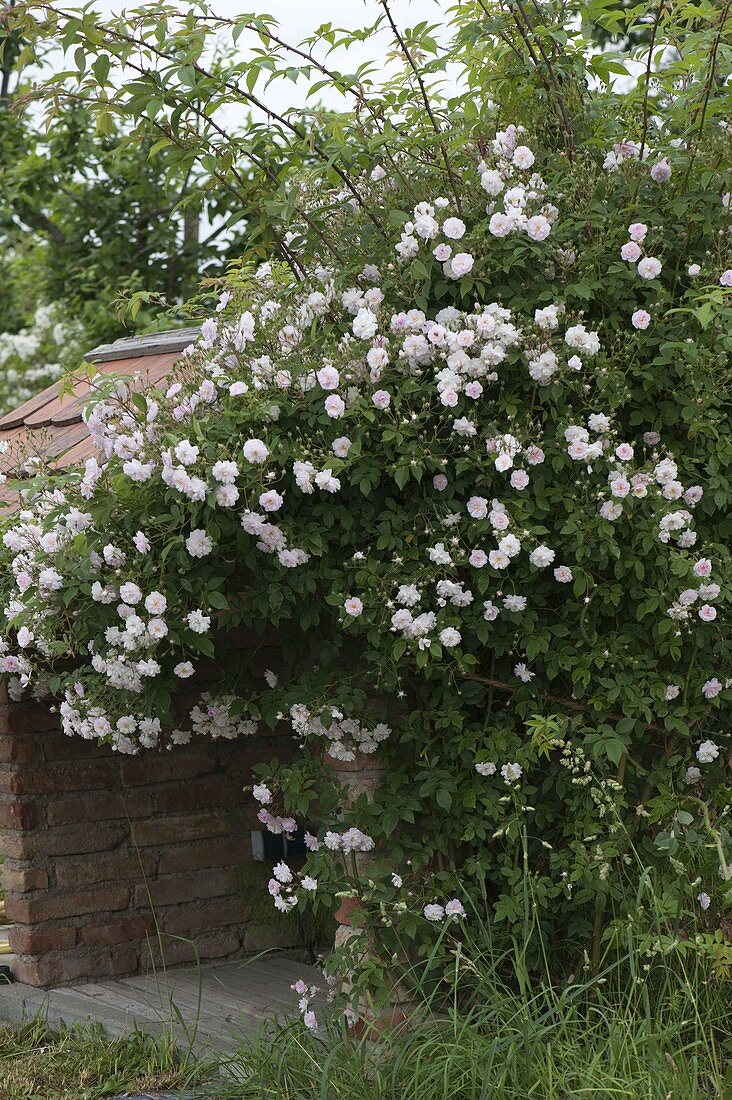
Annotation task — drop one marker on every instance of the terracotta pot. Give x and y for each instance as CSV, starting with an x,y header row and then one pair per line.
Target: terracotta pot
x,y
350,912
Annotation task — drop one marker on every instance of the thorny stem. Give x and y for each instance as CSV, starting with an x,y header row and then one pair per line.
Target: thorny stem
x,y
570,704
561,102
425,99
649,65
357,91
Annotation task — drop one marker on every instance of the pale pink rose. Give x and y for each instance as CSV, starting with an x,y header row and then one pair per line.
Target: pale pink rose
x,y
538,228
328,378
703,568
649,268
271,501
637,231
624,452
439,481
381,399
707,613
630,252
641,319
534,456
462,264
453,228
449,398
478,558
661,171
578,450
725,279
335,406
519,479
473,389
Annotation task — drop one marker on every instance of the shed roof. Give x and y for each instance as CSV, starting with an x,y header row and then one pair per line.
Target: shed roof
x,y
50,425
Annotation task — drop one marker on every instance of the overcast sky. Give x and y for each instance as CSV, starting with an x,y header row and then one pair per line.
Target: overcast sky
x,y
300,18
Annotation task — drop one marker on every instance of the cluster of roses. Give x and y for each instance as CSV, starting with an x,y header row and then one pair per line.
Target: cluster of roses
x,y
344,736
451,593
649,267
507,177
285,883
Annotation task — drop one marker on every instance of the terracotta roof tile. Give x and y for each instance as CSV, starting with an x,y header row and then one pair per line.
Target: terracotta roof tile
x,y
50,424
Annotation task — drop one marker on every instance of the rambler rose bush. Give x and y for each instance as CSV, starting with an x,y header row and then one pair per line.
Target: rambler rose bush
x,y
472,481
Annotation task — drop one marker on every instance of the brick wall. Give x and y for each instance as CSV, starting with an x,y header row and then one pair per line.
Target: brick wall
x,y
112,859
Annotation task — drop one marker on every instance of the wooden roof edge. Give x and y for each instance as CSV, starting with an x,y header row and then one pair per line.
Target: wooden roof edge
x,y
156,343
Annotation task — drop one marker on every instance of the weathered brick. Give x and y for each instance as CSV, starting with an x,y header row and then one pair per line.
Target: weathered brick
x,y
99,807
39,941
204,854
19,845
159,951
140,770
19,815
52,970
73,839
173,830
362,762
187,920
17,909
248,816
171,951
120,931
57,747
17,750
182,889
123,865
264,937
51,780
366,785
28,717
201,794
47,906
23,880
245,757
218,943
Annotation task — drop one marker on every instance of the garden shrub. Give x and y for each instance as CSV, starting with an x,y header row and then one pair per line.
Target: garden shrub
x,y
35,356
471,472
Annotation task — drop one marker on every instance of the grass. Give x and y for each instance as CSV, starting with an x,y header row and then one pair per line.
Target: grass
x,y
40,1063
505,1050
661,1033
488,1033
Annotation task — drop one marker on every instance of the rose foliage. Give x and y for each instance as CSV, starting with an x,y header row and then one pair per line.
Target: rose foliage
x,y
471,482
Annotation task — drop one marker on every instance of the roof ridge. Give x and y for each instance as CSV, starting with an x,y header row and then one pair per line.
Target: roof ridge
x,y
155,343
